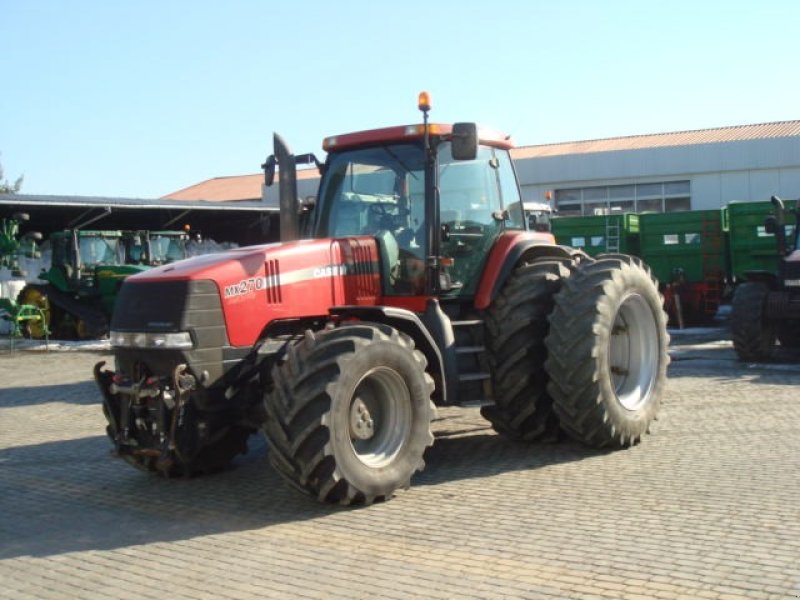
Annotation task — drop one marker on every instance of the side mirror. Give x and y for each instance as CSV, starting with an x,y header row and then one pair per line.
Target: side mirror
x,y
465,141
269,170
771,225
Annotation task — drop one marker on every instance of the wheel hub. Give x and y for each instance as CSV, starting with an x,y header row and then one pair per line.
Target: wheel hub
x,y
362,427
380,416
633,352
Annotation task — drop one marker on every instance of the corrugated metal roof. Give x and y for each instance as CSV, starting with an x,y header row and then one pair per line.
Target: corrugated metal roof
x,y
779,129
102,202
236,188
222,189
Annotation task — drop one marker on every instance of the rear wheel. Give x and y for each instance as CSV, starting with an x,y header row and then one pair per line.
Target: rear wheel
x,y
349,417
753,335
607,352
516,327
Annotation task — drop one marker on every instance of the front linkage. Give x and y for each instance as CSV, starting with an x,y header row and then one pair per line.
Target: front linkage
x,y
155,426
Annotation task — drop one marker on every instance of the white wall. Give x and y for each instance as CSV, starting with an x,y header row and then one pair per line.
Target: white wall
x,y
719,173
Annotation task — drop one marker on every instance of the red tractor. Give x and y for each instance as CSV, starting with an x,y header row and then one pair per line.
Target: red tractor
x,y
416,283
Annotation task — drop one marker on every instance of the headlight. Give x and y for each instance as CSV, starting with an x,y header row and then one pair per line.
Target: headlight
x,y
181,340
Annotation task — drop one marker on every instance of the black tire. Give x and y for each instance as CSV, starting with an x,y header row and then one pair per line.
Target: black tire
x,y
516,327
753,336
607,352
349,415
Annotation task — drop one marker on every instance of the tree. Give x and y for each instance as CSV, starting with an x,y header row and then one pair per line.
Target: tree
x,y
9,188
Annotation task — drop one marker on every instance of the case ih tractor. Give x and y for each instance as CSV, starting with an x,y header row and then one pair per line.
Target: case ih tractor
x,y
416,284
766,307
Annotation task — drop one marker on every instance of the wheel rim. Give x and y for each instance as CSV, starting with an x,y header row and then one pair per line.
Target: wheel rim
x,y
380,416
34,297
633,352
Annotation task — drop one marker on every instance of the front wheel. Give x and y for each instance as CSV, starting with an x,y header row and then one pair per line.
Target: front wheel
x,y
349,415
607,352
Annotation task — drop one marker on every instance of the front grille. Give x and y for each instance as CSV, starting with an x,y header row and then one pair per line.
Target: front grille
x,y
156,306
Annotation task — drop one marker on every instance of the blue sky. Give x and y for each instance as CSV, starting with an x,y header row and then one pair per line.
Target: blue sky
x,y
141,98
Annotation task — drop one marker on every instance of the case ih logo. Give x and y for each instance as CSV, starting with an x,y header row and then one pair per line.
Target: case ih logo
x,y
245,286
330,271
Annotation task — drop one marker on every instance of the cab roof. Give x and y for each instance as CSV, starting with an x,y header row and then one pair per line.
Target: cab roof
x,y
404,133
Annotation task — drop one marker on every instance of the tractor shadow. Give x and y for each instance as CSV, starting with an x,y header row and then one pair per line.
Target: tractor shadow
x,y
72,496
81,393
479,453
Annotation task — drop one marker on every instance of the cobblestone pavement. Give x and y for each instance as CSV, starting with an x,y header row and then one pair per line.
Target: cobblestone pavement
x,y
707,507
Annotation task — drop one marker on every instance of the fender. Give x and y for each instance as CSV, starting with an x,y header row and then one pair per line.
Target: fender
x,y
509,250
409,323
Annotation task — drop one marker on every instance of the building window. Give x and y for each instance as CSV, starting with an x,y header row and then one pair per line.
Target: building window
x,y
665,196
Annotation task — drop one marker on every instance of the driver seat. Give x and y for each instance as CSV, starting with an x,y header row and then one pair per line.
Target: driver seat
x,y
389,252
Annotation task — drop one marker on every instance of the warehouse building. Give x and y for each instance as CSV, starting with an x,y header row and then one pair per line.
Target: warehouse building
x,y
660,172
664,172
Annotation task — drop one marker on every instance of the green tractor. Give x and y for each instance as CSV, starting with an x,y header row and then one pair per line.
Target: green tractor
x,y
154,248
80,288
13,246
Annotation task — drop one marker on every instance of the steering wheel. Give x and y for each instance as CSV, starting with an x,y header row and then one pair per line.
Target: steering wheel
x,y
387,215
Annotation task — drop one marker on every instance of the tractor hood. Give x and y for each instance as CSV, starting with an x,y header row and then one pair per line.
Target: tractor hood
x,y
259,285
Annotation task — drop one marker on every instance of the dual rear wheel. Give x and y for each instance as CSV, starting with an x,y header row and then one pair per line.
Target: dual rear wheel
x,y
590,356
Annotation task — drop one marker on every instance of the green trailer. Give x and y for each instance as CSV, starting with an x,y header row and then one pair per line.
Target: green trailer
x,y
687,252
751,248
599,234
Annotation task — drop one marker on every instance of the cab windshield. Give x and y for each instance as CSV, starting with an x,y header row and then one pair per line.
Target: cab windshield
x,y
380,191
166,248
99,250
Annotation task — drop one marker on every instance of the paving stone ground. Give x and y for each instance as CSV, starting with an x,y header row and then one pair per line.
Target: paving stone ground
x,y
708,506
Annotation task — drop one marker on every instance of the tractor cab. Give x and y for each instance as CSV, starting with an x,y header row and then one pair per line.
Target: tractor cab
x,y
78,255
435,197
379,190
153,248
